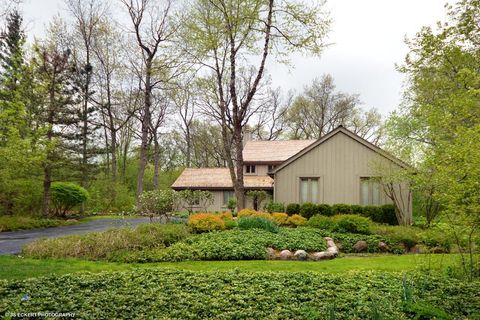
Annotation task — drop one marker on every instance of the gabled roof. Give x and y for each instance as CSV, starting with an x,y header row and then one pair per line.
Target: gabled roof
x,y
273,152
217,178
350,134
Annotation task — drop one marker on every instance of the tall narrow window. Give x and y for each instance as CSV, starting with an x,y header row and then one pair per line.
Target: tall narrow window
x,y
303,190
309,190
370,191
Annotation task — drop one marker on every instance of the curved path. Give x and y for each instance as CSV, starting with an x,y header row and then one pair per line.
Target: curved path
x,y
12,242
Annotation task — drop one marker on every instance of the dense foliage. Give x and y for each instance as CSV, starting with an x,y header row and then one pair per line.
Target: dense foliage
x,y
157,202
12,223
100,245
241,295
232,245
204,222
65,196
246,223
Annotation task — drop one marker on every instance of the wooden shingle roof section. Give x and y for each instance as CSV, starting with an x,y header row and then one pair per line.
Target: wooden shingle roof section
x,y
273,152
217,178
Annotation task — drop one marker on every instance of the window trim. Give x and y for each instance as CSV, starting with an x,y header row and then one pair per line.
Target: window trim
x,y
370,180
250,169
309,180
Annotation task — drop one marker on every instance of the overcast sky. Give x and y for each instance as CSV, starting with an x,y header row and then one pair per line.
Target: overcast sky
x,y
367,36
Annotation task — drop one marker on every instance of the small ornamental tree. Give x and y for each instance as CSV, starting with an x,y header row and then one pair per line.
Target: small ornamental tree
x,y
189,199
257,196
232,204
157,203
65,196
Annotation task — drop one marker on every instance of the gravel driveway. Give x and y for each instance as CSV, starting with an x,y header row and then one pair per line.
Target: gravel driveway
x,y
12,242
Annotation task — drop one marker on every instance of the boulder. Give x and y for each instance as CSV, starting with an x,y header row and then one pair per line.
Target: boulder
x,y
323,255
360,246
301,255
417,249
383,247
331,246
286,254
271,253
438,250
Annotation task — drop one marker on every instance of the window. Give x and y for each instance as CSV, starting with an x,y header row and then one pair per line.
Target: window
x,y
271,167
250,169
309,190
370,191
227,195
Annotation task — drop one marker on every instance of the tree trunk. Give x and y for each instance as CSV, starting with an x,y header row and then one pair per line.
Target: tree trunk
x,y
156,162
145,128
239,183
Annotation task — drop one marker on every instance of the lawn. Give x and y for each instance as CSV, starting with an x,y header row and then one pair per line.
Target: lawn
x,y
13,267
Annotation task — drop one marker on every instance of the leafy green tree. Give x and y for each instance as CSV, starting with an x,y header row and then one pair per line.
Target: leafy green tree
x,y
257,196
157,203
189,199
438,126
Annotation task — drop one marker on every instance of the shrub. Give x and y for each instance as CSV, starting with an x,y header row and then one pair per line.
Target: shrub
x,y
106,244
257,196
322,222
324,209
189,199
350,223
356,209
375,213
400,234
296,220
274,207
341,208
389,214
293,208
246,213
205,222
65,196
280,218
257,223
157,202
308,209
264,215
232,204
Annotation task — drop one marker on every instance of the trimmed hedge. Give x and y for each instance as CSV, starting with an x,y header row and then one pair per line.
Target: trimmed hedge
x,y
379,214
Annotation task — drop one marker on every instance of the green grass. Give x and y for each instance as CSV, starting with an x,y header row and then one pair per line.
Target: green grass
x,y
13,267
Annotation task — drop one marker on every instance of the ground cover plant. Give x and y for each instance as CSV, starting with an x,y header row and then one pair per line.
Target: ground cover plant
x,y
18,222
168,294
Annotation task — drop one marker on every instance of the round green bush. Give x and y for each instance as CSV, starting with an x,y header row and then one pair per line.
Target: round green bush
x,y
307,210
341,208
350,223
322,222
65,196
293,208
257,223
274,207
375,213
324,209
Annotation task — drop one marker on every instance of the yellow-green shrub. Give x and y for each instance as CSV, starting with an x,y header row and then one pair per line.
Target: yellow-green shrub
x,y
264,215
246,213
296,220
280,218
204,222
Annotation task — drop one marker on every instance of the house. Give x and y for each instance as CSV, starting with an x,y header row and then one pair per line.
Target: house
x,y
340,167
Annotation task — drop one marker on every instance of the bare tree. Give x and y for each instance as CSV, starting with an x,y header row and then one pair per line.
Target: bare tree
x,y
152,29
220,34
157,120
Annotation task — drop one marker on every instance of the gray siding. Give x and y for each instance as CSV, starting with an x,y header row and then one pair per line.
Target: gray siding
x,y
339,163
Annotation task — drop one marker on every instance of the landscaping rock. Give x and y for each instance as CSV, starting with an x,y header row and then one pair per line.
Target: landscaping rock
x,y
322,255
361,246
418,249
331,247
383,247
286,254
301,255
271,253
438,250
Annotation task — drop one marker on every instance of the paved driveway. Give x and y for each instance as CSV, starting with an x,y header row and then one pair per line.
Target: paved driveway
x,y
13,241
